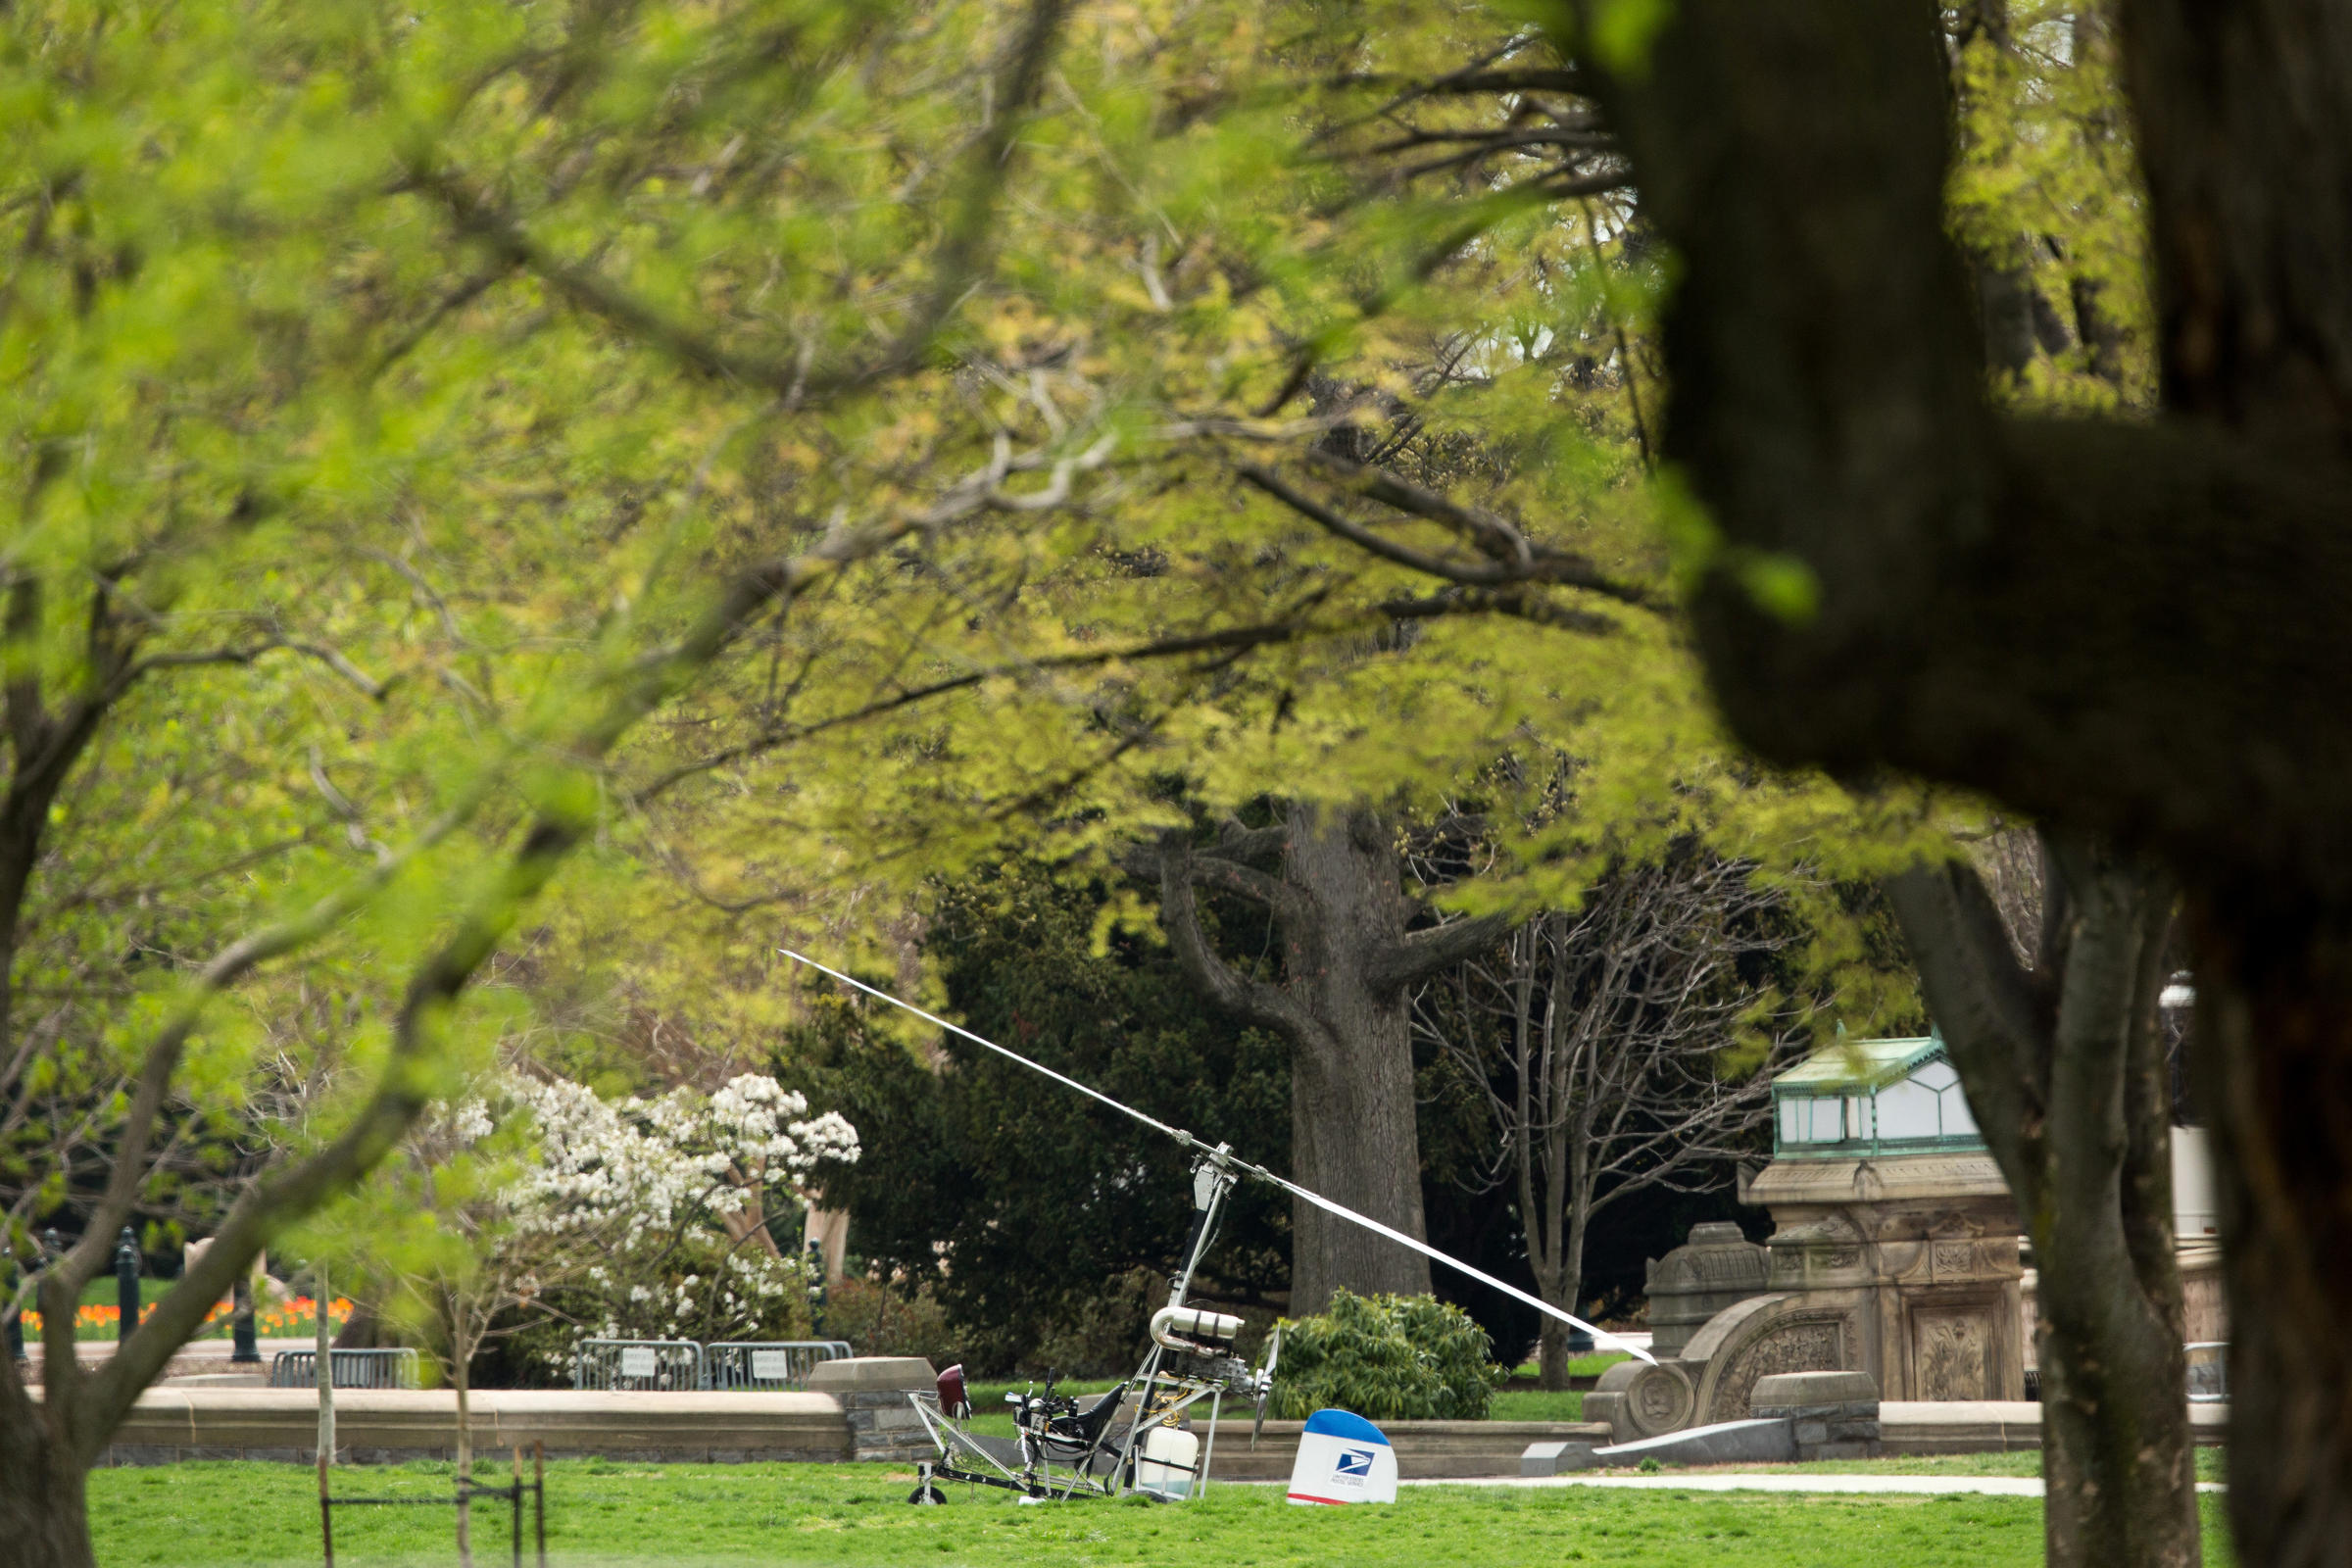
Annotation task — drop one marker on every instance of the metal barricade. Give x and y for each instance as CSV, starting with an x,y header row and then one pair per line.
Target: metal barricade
x,y
350,1369
2208,1372
671,1366
767,1363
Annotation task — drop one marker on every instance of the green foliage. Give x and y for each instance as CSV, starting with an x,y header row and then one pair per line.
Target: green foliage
x,y
2045,196
879,1321
1387,1358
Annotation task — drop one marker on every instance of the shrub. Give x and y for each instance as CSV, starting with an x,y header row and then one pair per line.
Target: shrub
x,y
877,1320
1387,1358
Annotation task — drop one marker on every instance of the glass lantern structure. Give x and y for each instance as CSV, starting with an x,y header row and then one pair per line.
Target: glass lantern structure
x,y
1864,1099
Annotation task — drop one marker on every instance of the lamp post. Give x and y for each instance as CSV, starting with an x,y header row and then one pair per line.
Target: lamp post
x,y
126,1284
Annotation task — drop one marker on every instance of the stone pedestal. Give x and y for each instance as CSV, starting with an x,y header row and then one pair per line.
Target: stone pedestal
x,y
872,1392
1716,1267
1832,1415
1905,1267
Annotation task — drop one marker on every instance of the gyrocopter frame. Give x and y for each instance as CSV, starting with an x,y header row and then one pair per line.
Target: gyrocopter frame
x,y
1106,1447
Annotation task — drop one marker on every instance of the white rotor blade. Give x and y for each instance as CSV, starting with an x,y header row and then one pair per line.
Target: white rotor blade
x,y
1287,1186
1456,1264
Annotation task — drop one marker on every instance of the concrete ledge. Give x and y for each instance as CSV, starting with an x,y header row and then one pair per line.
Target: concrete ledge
x,y
868,1373
1785,1393
197,1356
1993,1425
1555,1458
387,1426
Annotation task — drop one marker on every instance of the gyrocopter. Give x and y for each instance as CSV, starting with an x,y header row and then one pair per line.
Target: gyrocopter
x,y
1114,1443
1137,1438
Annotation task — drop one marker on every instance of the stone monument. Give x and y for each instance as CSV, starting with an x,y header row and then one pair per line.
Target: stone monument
x,y
1895,1252
1716,1268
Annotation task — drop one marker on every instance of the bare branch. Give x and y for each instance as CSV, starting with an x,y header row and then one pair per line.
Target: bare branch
x,y
1251,1000
1511,557
1991,1010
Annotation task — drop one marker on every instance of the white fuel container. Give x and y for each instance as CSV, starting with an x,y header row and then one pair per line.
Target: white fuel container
x,y
1164,1468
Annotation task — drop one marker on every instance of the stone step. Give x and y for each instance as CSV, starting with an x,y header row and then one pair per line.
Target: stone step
x,y
1995,1426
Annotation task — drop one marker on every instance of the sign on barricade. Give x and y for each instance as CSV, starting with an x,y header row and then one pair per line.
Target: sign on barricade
x,y
638,1365
779,1364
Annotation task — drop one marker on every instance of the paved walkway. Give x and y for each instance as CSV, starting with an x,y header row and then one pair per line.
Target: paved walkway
x,y
1724,1480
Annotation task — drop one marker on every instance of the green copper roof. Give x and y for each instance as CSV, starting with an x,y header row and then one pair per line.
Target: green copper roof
x,y
1858,1063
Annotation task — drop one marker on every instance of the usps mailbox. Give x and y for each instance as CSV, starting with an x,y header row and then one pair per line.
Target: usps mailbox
x,y
1342,1459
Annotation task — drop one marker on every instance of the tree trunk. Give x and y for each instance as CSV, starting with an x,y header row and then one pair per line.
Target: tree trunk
x,y
44,1514
1353,1135
2120,1460
2133,629
1350,958
2274,1059
1560,1290
463,1384
325,1367
2065,1068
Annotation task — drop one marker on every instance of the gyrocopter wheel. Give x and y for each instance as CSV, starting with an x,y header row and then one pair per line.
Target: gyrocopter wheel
x,y
926,1495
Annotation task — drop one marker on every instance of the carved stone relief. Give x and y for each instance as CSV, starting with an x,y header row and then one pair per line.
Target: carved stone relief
x,y
1660,1400
1951,1355
1805,1346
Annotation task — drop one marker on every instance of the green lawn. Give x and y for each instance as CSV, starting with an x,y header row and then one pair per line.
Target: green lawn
x,y
199,1515
2210,1465
1584,1366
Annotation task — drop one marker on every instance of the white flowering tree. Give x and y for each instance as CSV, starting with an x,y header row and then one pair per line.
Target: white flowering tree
x,y
534,1200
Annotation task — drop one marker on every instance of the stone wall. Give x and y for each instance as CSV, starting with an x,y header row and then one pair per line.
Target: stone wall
x,y
386,1426
1831,1415
875,1391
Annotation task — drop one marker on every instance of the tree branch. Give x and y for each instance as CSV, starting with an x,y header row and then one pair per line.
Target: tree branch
x,y
1423,953
1538,567
400,1095
1987,1007
1249,1000
159,1062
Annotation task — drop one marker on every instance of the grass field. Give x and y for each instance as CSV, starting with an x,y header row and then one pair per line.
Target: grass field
x,y
602,1512
2025,1463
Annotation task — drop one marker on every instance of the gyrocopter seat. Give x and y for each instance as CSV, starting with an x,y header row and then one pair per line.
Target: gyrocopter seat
x,y
1085,1426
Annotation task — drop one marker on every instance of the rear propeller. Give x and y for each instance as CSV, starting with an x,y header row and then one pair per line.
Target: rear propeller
x,y
1266,1384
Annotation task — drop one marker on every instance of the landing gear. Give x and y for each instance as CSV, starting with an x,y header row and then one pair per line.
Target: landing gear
x,y
926,1493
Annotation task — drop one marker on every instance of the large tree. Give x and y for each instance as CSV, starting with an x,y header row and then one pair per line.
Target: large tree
x,y
2122,626
1346,952
2064,1064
